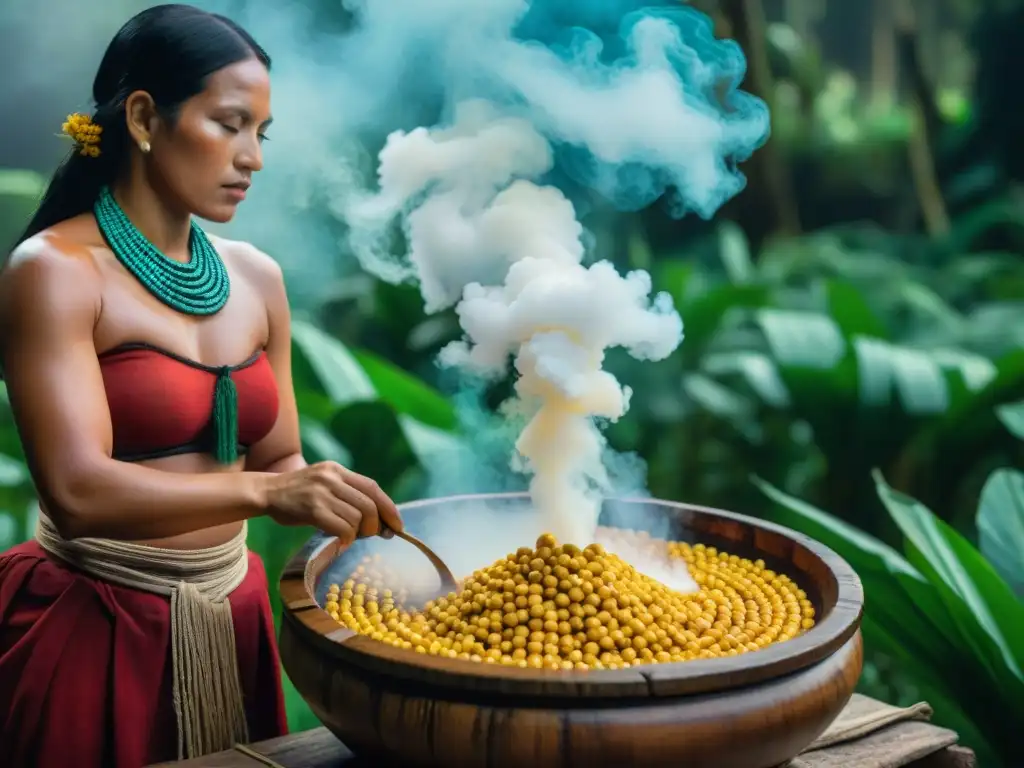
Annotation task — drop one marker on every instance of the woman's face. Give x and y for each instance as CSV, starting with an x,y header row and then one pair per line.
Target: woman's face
x,y
207,157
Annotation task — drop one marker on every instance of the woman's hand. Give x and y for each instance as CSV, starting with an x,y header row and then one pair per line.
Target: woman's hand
x,y
332,498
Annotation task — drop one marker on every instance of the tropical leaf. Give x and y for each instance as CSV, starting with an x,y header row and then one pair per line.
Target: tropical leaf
x,y
406,393
10,531
984,607
900,598
373,434
323,365
734,250
1001,526
943,450
754,368
850,310
913,615
20,191
318,444
704,313
1012,416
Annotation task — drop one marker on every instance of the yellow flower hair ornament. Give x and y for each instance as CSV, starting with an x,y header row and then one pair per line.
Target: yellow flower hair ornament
x,y
85,132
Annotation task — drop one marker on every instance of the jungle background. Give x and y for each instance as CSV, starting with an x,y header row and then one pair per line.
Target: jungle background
x,y
853,365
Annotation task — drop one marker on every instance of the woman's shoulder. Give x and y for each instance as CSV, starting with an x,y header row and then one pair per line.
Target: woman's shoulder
x,y
249,260
50,281
62,256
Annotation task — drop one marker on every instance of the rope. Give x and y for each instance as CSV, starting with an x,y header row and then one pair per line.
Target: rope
x,y
207,689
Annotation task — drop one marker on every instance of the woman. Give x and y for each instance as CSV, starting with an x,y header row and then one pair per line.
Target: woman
x,y
148,369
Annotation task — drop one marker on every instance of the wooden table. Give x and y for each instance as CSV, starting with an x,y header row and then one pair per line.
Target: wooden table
x,y
320,749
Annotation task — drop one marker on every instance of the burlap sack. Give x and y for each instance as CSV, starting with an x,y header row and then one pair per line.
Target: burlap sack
x,y
870,734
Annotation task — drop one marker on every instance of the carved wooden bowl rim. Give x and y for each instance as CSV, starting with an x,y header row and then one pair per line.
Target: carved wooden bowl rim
x,y
313,624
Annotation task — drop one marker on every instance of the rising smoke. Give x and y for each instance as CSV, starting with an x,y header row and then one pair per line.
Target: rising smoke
x,y
508,253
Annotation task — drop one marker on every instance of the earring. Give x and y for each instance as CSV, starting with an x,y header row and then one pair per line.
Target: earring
x,y
144,146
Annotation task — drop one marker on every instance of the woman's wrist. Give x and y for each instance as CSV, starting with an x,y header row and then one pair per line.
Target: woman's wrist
x,y
257,492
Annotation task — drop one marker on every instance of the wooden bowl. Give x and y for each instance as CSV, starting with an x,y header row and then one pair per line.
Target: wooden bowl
x,y
397,707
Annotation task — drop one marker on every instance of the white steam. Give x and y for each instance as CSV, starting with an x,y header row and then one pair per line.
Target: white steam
x,y
472,214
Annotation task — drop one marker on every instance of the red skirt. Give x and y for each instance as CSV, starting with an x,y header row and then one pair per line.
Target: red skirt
x,y
85,666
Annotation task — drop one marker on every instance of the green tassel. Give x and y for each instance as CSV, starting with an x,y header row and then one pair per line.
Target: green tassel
x,y
225,418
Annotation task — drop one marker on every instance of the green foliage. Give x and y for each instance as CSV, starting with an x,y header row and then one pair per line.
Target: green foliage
x,y
20,191
826,357
945,611
17,495
1001,525
1012,415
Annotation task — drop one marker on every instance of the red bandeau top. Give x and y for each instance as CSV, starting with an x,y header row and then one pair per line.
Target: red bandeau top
x,y
161,404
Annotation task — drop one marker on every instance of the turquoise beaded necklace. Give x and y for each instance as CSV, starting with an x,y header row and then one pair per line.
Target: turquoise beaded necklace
x,y
198,287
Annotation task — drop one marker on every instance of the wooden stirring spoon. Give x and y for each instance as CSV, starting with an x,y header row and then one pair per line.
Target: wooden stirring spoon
x,y
448,583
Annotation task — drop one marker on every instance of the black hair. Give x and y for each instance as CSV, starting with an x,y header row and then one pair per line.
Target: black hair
x,y
168,51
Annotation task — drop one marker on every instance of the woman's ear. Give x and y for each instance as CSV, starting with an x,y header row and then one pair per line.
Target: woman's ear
x,y
141,118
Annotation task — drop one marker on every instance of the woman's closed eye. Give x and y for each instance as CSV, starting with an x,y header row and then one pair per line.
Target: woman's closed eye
x,y
235,130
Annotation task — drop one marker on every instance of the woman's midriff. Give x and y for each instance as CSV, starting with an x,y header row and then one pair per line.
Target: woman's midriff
x,y
193,464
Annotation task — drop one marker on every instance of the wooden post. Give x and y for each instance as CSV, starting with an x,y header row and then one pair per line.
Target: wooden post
x,y
928,123
768,206
884,66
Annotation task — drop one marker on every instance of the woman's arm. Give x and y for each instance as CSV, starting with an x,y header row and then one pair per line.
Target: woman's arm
x,y
281,449
50,301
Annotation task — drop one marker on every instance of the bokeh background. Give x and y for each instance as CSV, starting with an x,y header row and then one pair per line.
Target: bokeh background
x,y
854,356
